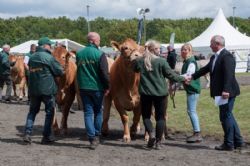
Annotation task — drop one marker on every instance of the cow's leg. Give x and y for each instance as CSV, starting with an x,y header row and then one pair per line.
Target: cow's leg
x,y
22,88
78,97
106,114
14,89
68,100
135,128
125,122
55,124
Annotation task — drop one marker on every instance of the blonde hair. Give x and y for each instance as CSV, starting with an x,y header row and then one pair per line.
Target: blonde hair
x,y
190,48
149,54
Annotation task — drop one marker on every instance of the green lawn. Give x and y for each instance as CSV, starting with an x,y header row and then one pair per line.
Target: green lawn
x,y
209,114
242,74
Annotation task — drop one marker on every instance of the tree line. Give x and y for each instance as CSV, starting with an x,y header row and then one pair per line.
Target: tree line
x,y
17,30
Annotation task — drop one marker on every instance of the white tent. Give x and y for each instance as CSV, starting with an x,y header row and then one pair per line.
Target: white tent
x,y
220,26
234,40
25,47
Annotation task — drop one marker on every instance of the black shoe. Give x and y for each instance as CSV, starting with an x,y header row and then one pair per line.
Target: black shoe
x,y
48,140
241,146
158,145
151,142
7,99
223,147
27,138
93,144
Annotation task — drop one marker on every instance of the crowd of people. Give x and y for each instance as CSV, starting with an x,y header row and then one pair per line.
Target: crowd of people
x,y
93,80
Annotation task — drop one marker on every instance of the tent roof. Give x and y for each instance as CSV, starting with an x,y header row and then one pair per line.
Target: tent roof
x,y
25,47
220,26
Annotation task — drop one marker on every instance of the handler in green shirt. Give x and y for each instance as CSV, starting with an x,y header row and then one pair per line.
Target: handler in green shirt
x,y
153,89
43,69
5,72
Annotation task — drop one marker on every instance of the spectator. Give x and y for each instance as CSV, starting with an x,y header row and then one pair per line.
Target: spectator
x,y
5,72
26,61
171,58
248,63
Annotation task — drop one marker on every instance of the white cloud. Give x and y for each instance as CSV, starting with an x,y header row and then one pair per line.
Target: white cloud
x,y
123,8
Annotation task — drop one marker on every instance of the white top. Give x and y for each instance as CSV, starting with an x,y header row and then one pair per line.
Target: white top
x,y
190,70
26,59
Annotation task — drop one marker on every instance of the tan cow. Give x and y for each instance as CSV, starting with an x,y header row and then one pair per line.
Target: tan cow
x,y
124,84
17,74
67,87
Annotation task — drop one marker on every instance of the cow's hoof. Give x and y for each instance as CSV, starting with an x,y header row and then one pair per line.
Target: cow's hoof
x,y
105,133
146,138
126,139
57,132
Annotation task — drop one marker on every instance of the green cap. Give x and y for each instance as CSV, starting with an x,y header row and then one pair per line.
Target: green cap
x,y
45,40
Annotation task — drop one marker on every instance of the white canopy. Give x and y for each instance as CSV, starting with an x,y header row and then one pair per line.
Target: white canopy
x,y
220,26
25,47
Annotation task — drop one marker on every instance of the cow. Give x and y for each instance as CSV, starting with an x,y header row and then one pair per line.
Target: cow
x,y
67,87
17,73
124,84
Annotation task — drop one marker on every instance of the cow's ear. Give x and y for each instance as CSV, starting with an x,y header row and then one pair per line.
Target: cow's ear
x,y
115,45
142,49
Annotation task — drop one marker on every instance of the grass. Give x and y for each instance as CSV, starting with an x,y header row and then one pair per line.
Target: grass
x,y
242,74
208,114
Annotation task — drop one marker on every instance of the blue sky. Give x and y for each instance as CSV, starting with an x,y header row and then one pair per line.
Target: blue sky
x,y
123,9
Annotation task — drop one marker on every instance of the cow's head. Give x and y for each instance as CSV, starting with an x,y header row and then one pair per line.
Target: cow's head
x,y
61,55
12,58
129,49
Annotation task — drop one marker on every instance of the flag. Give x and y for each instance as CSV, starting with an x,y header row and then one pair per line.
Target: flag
x,y
171,41
140,31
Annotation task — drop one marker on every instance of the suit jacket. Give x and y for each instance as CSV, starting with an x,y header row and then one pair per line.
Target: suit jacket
x,y
223,76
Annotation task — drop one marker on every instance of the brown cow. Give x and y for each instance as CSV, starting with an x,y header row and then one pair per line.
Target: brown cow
x,y
67,87
17,74
124,84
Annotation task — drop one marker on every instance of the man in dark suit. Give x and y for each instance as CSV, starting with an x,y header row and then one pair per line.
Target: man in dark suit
x,y
223,83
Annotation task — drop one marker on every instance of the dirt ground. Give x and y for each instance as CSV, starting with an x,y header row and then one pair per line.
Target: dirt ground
x,y
72,150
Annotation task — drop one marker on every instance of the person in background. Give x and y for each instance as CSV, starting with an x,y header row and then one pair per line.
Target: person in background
x,y
171,58
26,61
153,89
192,91
224,85
43,68
248,63
5,77
93,81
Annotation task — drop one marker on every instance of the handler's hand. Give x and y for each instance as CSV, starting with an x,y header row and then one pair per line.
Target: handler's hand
x,y
225,95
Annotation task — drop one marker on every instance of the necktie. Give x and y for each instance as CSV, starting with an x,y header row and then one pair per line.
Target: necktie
x,y
215,58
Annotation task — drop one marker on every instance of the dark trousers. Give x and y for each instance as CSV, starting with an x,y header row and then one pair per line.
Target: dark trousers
x,y
160,105
232,136
35,103
7,80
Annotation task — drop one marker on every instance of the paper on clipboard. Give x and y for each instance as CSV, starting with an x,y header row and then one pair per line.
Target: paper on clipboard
x,y
218,100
